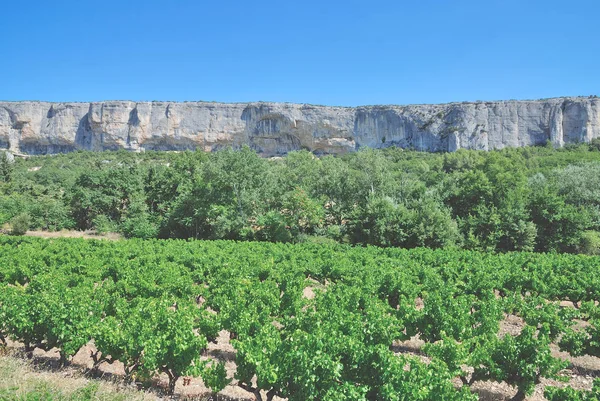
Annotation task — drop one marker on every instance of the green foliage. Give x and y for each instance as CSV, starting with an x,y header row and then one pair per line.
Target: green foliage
x,y
570,394
548,317
50,214
104,191
271,226
103,224
584,341
215,377
381,222
472,189
520,360
595,144
6,167
11,206
130,336
462,160
44,391
590,243
560,225
20,224
432,226
154,305
450,315
302,214
529,199
139,226
307,321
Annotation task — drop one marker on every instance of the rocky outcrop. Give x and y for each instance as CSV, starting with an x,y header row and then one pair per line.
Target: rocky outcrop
x,y
277,128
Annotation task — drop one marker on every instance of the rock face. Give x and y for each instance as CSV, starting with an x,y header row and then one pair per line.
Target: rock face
x,y
277,128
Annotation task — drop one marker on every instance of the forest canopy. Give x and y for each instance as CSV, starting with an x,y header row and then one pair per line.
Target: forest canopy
x,y
526,199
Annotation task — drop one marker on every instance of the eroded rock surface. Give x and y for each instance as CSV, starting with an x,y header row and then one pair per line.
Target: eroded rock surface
x,y
277,128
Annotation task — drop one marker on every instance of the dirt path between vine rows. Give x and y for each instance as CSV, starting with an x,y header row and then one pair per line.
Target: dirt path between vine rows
x,y
580,375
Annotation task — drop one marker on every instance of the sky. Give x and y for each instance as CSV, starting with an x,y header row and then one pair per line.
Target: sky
x,y
333,52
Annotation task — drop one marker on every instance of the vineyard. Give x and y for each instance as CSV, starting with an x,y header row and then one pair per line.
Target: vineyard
x,y
306,321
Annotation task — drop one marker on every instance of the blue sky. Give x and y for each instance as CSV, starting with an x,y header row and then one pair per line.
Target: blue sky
x,y
320,52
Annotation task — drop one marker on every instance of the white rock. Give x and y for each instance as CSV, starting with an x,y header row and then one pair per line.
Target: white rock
x,y
277,128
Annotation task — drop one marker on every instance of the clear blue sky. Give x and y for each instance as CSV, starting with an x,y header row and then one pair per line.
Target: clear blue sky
x,y
320,52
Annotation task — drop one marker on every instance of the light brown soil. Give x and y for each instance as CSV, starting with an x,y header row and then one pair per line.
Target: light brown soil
x,y
88,234
579,375
20,377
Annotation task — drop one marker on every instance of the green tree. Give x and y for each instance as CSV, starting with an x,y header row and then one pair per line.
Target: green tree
x,y
107,191
380,222
432,226
559,225
6,167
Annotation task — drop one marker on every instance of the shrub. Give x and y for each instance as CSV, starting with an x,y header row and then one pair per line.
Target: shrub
x,y
590,243
103,224
20,224
272,227
595,144
49,214
139,227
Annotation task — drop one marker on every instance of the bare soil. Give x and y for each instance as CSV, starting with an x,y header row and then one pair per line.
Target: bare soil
x,y
88,234
579,375
21,377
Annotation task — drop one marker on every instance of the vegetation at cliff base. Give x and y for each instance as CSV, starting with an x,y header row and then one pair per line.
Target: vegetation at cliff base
x,y
535,198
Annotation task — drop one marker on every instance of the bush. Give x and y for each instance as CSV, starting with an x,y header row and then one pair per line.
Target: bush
x,y
11,206
335,232
139,227
595,144
49,214
103,224
272,227
590,243
20,224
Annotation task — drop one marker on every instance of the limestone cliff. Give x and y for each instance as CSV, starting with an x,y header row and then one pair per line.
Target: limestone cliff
x,y
277,128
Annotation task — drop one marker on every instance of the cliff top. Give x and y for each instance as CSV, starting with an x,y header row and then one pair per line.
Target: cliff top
x,y
204,102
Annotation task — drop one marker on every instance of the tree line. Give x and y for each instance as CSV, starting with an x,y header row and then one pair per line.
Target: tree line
x,y
525,199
